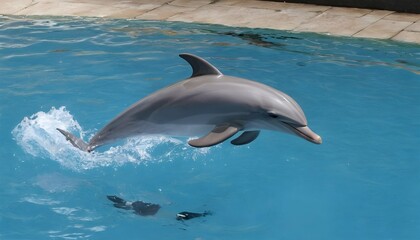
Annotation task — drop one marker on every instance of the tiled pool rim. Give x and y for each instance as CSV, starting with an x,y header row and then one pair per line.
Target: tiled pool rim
x,y
337,21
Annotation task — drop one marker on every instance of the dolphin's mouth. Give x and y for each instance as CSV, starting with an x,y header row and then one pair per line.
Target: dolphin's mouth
x,y
306,133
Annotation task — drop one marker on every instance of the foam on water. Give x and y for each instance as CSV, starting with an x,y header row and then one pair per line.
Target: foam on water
x,y
37,136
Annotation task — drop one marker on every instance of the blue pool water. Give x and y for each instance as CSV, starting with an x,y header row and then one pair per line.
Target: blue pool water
x,y
361,96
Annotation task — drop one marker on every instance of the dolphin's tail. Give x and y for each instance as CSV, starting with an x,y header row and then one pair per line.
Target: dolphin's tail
x,y
75,141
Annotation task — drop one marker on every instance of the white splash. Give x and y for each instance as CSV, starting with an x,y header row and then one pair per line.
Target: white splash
x,y
37,135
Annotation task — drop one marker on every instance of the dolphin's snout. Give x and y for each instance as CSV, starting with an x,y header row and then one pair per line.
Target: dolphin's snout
x,y
317,140
306,133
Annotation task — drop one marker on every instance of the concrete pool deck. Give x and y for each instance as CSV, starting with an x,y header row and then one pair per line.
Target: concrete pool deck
x,y
337,21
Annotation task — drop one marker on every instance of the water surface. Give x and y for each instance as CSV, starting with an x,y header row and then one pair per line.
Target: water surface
x,y
361,96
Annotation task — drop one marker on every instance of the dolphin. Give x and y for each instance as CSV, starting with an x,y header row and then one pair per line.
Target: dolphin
x,y
207,104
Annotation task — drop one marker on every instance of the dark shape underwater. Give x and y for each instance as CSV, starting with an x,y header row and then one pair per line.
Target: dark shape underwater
x,y
139,207
190,215
149,209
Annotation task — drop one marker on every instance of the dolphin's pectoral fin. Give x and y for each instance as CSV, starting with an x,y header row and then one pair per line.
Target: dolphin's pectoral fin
x,y
245,138
75,141
216,136
200,66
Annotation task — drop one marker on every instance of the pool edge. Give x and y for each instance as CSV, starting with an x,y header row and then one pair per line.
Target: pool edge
x,y
336,21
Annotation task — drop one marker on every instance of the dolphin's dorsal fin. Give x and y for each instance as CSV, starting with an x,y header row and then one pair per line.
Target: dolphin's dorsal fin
x,y
246,137
217,135
200,66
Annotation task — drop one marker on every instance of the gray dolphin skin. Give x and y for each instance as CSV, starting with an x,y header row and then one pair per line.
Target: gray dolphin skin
x,y
208,104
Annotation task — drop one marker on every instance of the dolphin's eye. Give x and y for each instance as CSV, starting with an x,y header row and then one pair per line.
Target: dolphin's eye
x,y
273,115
